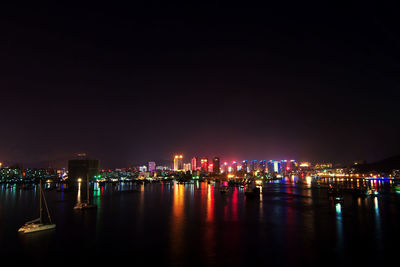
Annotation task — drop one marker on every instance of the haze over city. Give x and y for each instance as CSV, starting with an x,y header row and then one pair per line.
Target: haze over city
x,y
132,83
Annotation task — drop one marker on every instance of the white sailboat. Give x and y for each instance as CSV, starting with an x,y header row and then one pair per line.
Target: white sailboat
x,y
38,224
85,205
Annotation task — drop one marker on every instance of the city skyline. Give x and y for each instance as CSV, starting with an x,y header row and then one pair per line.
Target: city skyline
x,y
178,162
208,133
135,83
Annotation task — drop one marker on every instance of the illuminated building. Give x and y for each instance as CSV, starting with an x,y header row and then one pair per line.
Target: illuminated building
x,y
224,167
288,165
204,164
283,164
239,167
143,169
319,166
305,165
216,169
82,168
162,168
293,164
262,166
234,166
253,165
244,166
152,166
274,166
194,163
210,168
187,167
178,163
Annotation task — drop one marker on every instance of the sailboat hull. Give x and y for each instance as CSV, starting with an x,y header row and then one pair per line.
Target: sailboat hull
x,y
37,224
84,206
36,227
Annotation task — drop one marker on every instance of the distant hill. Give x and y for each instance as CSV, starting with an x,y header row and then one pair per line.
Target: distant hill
x,y
386,165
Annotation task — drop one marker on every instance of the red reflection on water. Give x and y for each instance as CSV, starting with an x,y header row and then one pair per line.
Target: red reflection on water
x,y
210,203
235,204
209,234
226,213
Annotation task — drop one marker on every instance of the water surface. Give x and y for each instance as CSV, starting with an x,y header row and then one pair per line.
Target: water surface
x,y
291,223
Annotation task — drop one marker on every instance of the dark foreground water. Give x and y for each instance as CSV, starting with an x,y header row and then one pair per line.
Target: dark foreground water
x,y
291,224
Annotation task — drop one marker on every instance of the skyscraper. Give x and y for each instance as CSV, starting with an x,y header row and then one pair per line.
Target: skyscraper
x,y
274,166
82,169
216,165
224,167
210,168
194,163
152,166
253,165
204,164
187,167
244,166
262,165
178,163
234,166
288,165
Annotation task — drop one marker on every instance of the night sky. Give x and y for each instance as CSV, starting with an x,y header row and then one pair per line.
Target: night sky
x,y
130,83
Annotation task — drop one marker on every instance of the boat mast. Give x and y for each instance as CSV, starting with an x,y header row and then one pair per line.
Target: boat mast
x,y
87,178
47,208
40,201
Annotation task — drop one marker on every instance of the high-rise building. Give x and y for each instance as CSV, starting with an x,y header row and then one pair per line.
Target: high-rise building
x,y
262,165
274,166
143,168
204,164
288,165
82,169
187,167
210,168
194,163
244,166
253,165
284,165
224,167
178,163
216,169
293,165
152,166
234,166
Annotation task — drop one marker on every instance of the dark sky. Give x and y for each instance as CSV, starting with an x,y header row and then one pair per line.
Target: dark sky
x,y
129,83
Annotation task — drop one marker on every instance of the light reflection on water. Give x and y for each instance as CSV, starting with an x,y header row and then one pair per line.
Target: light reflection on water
x,y
289,215
78,195
177,222
378,223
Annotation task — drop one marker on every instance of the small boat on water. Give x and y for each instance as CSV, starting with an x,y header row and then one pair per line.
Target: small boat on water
x,y
84,205
338,199
39,224
373,193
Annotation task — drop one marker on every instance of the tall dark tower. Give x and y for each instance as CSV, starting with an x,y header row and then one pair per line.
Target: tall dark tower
x,y
216,165
82,169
